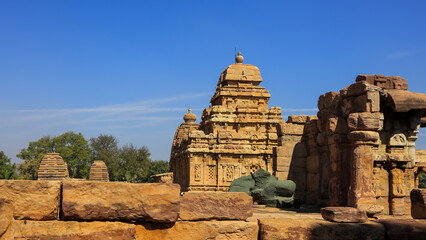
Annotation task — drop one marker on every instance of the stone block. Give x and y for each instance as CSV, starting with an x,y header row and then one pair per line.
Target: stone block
x,y
344,214
418,203
199,230
397,229
385,82
6,218
363,136
71,230
313,181
215,205
384,202
300,119
359,88
366,121
311,127
32,200
381,182
300,150
275,229
327,99
293,129
92,201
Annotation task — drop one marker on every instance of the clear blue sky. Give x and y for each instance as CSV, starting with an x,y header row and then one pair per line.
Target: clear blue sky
x,y
132,68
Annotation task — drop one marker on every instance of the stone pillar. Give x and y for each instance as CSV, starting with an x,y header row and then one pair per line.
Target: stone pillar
x,y
361,194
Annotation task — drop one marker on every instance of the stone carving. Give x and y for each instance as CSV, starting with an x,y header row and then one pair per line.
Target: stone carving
x,y
267,189
236,133
52,167
99,171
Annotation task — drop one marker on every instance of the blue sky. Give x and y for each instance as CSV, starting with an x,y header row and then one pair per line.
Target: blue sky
x,y
132,68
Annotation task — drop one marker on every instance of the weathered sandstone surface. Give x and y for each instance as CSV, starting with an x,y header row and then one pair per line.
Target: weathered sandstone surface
x,y
344,214
304,229
399,229
32,200
120,201
215,205
6,218
199,230
70,230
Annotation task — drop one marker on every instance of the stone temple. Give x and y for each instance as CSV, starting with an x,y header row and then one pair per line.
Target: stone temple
x,y
236,136
99,171
359,151
52,167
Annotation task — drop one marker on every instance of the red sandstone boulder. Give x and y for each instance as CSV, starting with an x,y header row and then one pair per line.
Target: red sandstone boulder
x,y
199,230
418,203
70,230
309,229
344,214
215,205
32,200
118,201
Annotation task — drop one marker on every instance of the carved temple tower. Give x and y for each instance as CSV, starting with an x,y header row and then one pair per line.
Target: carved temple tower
x,y
236,136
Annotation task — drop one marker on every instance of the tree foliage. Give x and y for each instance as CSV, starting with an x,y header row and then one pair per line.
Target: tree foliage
x,y
73,148
105,148
135,163
422,180
7,170
157,167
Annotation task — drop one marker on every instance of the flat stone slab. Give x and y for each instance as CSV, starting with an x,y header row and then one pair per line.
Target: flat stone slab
x,y
199,230
71,230
215,205
295,229
418,203
397,229
32,200
118,201
344,214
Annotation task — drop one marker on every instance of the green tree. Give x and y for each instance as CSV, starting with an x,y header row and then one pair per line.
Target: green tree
x,y
422,180
73,148
157,167
75,151
7,170
105,148
135,163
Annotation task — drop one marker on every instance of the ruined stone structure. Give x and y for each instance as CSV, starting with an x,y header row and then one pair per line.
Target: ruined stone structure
x,y
236,136
163,177
99,171
360,152
52,167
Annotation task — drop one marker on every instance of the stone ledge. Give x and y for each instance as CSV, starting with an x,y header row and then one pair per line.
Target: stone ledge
x,y
32,200
118,201
215,205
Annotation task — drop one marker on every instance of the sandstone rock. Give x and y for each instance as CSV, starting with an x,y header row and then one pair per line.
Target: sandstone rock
x,y
70,230
327,99
307,229
418,203
158,202
365,121
344,214
399,229
363,136
6,217
301,119
199,230
215,205
33,200
385,82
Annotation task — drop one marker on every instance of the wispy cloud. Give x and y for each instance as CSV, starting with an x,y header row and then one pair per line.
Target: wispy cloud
x,y
404,53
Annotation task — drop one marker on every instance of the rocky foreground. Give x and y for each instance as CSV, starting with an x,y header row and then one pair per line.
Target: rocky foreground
x,y
114,210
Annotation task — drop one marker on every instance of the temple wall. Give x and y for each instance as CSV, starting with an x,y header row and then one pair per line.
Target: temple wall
x,y
360,151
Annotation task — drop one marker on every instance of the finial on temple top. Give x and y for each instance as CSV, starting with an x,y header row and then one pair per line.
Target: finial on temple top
x,y
239,58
